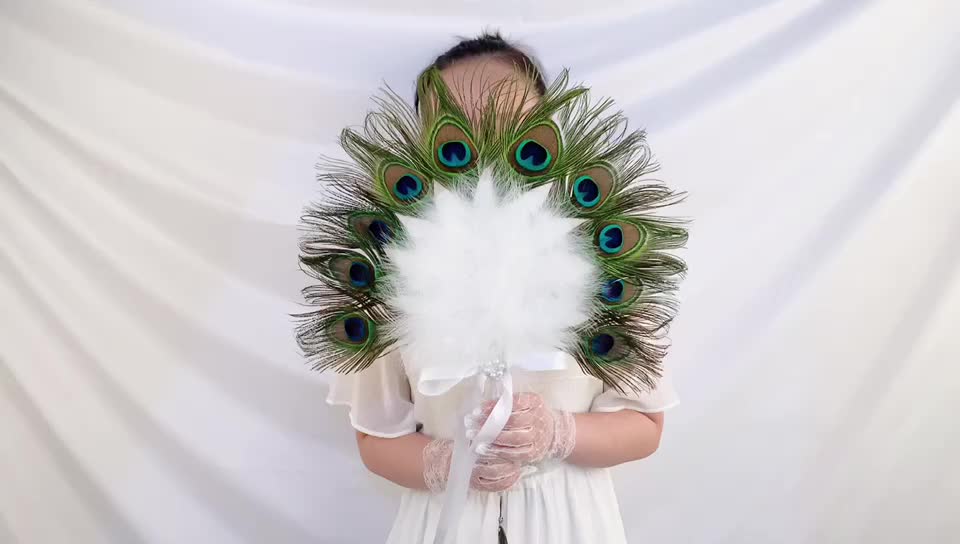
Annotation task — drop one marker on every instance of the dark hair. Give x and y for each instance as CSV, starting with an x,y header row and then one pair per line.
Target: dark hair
x,y
488,43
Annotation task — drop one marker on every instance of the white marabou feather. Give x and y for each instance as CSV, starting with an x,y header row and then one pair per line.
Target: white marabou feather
x,y
486,275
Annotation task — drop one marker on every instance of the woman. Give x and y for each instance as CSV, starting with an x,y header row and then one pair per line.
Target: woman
x,y
545,478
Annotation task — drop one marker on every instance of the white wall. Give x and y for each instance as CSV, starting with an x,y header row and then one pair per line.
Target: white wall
x,y
154,157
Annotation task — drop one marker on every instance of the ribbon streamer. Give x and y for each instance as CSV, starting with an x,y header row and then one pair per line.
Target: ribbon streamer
x,y
492,381
465,452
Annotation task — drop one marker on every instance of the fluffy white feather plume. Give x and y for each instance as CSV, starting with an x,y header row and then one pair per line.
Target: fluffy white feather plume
x,y
485,276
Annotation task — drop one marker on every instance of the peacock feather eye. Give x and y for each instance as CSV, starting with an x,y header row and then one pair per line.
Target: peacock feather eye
x,y
613,291
617,292
586,191
619,238
354,329
408,187
355,272
606,346
380,231
532,156
403,185
454,154
360,274
452,147
372,227
610,239
536,151
602,344
591,187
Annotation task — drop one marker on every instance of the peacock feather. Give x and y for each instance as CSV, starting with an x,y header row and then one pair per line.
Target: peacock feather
x,y
578,152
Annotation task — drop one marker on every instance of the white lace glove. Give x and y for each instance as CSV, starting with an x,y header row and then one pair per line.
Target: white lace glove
x,y
491,473
533,433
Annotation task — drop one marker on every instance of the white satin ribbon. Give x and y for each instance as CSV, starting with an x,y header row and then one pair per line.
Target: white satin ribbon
x,y
498,417
496,381
433,381
465,452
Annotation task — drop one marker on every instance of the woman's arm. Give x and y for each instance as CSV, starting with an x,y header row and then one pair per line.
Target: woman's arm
x,y
605,439
399,460
417,462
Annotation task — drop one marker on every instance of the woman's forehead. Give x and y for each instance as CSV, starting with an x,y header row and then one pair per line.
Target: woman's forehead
x,y
472,80
482,71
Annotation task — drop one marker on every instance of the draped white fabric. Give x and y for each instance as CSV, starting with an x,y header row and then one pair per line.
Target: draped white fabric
x,y
154,157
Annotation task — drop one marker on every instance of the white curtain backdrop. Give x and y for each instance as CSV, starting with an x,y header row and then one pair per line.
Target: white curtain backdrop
x,y
154,157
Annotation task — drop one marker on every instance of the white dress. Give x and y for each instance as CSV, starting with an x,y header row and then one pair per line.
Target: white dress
x,y
558,504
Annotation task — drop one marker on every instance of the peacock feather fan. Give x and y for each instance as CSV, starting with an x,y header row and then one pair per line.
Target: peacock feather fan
x,y
529,220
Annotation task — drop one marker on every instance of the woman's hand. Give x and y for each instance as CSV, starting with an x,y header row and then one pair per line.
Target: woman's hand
x,y
533,432
491,473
